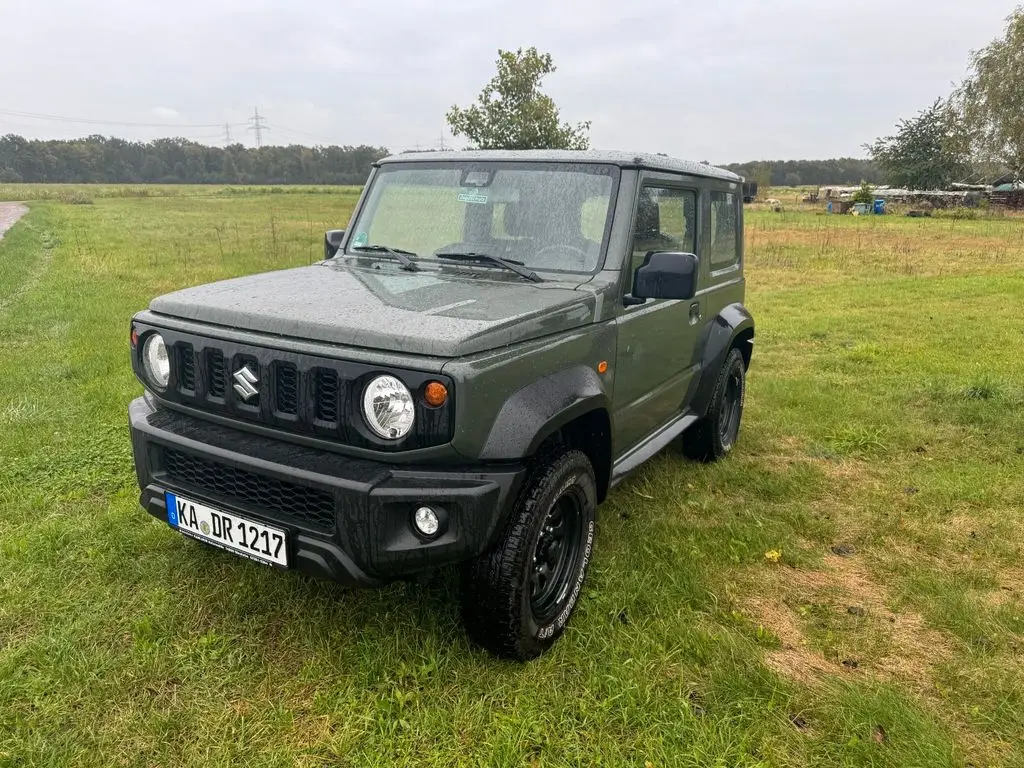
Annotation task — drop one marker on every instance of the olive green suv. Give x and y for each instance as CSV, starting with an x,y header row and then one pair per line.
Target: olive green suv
x,y
496,340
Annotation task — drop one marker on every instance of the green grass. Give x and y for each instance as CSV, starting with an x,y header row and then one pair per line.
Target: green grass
x,y
885,412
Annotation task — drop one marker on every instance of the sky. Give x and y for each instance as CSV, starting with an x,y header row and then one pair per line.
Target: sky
x,y
724,81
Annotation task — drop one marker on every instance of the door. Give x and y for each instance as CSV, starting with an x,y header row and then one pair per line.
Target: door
x,y
723,251
656,339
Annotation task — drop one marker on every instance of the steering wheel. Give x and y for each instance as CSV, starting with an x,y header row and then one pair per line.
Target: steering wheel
x,y
564,247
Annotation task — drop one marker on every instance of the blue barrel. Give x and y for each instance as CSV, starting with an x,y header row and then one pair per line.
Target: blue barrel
x,y
880,207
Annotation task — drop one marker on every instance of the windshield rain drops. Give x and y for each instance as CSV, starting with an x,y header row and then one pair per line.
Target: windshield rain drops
x,y
543,216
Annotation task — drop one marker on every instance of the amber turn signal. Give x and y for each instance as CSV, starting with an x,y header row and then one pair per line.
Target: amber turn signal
x,y
435,394
602,366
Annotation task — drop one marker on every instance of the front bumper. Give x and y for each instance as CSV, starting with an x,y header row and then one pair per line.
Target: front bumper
x,y
347,519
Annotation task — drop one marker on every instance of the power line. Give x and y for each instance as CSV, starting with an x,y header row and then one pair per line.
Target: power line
x,y
92,121
257,126
227,134
303,134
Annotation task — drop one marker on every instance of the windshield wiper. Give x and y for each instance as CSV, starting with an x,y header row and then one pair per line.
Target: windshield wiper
x,y
514,266
402,256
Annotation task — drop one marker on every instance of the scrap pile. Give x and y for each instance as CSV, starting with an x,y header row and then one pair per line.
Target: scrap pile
x,y
1005,192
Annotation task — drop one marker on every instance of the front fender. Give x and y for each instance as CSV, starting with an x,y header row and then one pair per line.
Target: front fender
x,y
538,410
732,323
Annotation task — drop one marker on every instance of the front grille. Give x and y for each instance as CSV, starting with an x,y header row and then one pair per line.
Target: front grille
x,y
294,391
216,381
326,395
287,389
278,497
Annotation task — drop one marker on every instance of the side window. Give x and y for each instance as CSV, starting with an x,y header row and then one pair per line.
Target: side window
x,y
666,220
724,248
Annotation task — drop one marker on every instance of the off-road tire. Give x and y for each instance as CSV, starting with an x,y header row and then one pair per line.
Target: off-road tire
x,y
714,436
499,587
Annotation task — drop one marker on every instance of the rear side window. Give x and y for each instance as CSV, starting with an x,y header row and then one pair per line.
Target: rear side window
x,y
666,220
725,230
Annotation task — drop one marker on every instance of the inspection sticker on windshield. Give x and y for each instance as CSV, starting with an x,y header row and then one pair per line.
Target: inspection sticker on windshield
x,y
472,197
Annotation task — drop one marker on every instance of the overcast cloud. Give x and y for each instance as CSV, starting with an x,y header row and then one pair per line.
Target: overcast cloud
x,y
724,81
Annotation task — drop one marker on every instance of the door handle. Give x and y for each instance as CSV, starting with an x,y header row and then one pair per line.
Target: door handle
x,y
695,313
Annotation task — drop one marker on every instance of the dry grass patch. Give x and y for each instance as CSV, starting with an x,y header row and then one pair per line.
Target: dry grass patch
x,y
838,620
791,251
1010,590
794,659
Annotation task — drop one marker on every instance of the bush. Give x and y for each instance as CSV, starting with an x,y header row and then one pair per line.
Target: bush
x,y
74,197
866,194
958,214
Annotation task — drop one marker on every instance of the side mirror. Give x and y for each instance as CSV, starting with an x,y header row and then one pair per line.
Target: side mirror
x,y
665,275
332,242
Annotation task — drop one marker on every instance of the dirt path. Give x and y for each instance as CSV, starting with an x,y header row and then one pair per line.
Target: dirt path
x,y
10,213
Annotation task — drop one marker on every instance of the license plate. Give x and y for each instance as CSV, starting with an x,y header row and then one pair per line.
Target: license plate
x,y
229,531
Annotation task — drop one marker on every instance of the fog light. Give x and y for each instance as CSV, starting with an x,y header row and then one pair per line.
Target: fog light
x,y
426,521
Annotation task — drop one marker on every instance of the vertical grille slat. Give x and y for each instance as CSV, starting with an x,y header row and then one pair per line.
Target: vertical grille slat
x,y
216,382
286,378
187,373
326,395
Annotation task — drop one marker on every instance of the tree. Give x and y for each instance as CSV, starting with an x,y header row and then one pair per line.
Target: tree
x,y
925,152
792,179
866,194
512,112
761,174
992,97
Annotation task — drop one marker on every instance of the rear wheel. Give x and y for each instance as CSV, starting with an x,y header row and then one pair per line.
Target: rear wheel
x,y
714,436
517,598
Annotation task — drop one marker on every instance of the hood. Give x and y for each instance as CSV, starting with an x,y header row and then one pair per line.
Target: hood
x,y
431,312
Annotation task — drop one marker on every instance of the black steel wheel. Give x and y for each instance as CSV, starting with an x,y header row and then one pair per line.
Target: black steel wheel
x,y
732,408
556,556
518,597
714,436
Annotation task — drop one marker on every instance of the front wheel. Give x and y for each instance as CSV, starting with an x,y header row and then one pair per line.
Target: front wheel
x,y
714,436
517,598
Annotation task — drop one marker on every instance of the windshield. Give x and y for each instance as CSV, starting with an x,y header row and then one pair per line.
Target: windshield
x,y
548,216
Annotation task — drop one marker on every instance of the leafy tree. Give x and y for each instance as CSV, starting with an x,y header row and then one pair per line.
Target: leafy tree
x,y
512,112
992,97
793,179
229,170
925,152
153,169
762,174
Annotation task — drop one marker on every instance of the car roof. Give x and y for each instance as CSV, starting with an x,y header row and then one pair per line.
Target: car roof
x,y
608,157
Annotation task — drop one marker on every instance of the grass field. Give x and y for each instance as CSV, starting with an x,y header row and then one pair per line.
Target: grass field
x,y
719,627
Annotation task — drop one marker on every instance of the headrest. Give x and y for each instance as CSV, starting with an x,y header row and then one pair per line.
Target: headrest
x,y
648,218
515,220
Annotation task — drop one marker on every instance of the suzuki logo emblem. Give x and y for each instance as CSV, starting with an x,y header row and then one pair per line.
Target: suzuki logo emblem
x,y
245,383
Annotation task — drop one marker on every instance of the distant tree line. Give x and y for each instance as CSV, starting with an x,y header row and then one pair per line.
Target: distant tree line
x,y
794,173
100,159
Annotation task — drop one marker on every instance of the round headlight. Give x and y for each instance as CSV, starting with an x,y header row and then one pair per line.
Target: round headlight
x,y
155,361
388,407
